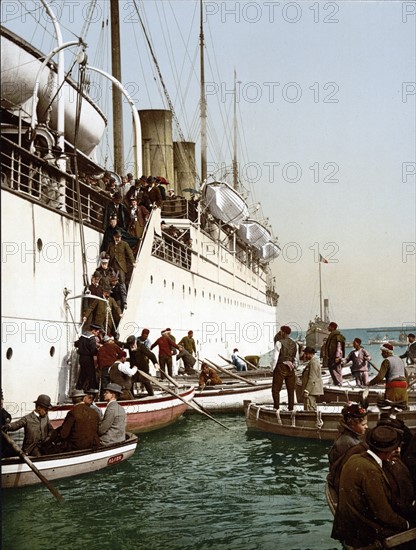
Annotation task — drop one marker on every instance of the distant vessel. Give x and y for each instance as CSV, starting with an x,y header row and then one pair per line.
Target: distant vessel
x,y
317,331
402,341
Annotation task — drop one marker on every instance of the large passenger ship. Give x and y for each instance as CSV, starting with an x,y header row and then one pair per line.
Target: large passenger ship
x,y
222,287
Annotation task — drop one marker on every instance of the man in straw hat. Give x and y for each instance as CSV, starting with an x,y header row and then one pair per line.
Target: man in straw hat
x,y
36,425
112,427
364,514
392,370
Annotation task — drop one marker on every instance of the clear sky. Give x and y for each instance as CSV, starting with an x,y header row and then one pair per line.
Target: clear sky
x,y
327,131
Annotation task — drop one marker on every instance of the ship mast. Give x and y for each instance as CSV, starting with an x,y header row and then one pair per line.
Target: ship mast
x,y
320,291
203,102
117,97
235,164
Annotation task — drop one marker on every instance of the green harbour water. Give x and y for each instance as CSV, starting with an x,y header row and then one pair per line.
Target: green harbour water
x,y
193,485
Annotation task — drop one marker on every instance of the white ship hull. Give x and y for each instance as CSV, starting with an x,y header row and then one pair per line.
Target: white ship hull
x,y
218,298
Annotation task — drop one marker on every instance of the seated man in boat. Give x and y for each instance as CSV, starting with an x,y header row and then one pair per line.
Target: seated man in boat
x,y
122,373
89,399
365,515
208,376
80,428
351,431
391,369
239,364
36,426
112,428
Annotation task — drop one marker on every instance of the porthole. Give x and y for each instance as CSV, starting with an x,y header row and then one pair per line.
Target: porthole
x,y
52,351
151,279
173,286
164,284
9,353
39,244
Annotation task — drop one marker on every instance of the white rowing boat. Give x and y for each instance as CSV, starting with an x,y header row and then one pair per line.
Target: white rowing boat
x,y
17,473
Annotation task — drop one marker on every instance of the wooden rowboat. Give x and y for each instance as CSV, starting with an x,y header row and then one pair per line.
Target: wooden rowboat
x,y
143,415
321,424
348,392
16,473
395,541
230,397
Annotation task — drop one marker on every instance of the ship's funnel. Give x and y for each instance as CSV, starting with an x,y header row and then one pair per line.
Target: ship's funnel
x,y
157,143
184,162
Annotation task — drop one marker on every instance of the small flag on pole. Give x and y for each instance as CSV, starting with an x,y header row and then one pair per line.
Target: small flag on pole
x,y
322,259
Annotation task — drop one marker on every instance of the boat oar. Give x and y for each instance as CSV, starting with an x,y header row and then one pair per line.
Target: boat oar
x,y
231,373
373,365
248,362
169,377
43,479
189,403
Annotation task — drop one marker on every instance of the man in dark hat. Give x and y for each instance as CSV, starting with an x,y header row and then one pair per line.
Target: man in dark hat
x,y
116,207
121,257
112,428
312,385
36,426
87,350
364,515
334,352
285,358
139,357
80,427
392,370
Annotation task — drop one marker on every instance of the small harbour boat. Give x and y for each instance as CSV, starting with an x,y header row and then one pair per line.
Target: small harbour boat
x,y
320,424
143,415
395,541
348,392
15,472
230,397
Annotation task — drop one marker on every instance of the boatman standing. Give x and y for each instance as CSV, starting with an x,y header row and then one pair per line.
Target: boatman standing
x,y
239,364
285,358
87,349
312,385
334,352
391,369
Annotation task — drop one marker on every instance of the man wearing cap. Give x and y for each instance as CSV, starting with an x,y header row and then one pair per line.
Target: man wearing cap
x,y
104,271
112,428
104,312
111,228
122,373
121,257
166,347
391,369
334,352
364,515
410,353
36,426
139,357
87,350
80,427
285,357
108,353
188,342
144,338
312,385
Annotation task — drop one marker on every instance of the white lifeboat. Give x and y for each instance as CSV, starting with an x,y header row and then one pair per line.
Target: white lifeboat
x,y
225,203
252,232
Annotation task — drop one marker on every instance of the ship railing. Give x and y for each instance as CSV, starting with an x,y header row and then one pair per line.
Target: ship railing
x,y
172,250
40,181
